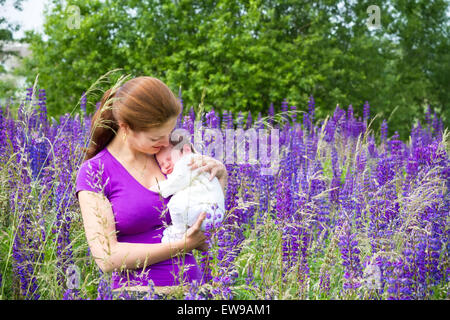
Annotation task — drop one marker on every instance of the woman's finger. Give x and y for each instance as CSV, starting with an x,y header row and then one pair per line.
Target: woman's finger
x,y
193,162
204,165
208,164
199,221
213,168
199,160
213,173
207,167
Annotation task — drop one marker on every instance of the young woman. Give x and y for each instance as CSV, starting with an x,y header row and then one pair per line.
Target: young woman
x,y
123,218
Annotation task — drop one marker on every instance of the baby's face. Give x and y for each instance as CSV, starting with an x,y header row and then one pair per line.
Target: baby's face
x,y
167,157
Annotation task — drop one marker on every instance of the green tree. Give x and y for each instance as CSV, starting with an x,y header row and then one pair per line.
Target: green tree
x,y
247,54
7,28
423,66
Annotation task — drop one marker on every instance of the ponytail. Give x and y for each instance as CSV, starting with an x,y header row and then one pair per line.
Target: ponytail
x,y
103,126
140,103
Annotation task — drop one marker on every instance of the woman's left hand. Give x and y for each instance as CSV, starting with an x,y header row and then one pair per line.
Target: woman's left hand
x,y
204,247
209,164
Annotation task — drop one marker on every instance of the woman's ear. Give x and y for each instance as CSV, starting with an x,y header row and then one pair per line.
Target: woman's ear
x,y
125,128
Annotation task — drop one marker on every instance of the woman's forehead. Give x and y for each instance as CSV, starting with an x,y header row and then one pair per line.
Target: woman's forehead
x,y
163,130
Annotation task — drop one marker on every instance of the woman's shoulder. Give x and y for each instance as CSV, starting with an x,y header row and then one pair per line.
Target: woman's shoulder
x,y
96,161
93,172
98,164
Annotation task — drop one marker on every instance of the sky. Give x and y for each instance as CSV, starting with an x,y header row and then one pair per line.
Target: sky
x,y
30,18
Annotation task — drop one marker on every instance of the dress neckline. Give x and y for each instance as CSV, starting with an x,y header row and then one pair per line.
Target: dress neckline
x,y
131,176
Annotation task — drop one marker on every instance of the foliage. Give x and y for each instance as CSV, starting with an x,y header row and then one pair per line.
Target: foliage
x,y
344,217
7,87
249,54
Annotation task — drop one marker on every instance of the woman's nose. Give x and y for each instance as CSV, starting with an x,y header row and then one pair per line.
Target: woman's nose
x,y
165,142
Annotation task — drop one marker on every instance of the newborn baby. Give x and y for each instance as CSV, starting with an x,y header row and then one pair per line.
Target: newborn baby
x,y
193,192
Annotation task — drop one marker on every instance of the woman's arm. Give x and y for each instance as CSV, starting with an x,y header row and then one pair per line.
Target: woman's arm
x,y
110,255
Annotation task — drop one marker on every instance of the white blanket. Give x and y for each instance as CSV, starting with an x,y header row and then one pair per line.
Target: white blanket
x,y
193,194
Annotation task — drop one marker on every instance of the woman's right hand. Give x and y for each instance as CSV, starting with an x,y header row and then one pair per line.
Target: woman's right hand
x,y
194,235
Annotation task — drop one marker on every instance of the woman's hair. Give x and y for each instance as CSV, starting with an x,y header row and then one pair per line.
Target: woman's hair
x,y
141,103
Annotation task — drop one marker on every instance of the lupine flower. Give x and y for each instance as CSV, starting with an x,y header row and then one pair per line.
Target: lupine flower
x,y
38,155
330,131
369,198
350,255
311,109
104,291
293,114
428,117
398,280
366,111
222,288
71,294
271,114
42,108
384,131
194,292
384,171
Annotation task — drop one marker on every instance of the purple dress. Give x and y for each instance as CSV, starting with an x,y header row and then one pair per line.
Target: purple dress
x,y
139,215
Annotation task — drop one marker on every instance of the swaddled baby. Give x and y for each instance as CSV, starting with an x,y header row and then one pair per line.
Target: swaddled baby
x,y
192,191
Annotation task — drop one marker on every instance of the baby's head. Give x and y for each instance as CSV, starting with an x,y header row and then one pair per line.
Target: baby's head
x,y
168,156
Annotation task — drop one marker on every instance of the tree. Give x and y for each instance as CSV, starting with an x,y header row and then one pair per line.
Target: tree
x,y
7,29
6,35
247,54
423,67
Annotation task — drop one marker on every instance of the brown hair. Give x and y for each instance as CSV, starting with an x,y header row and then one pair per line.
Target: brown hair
x,y
142,103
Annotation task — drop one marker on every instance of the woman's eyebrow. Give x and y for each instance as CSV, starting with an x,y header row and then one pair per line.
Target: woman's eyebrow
x,y
157,137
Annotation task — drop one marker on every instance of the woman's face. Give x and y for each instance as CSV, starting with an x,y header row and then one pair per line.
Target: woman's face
x,y
152,140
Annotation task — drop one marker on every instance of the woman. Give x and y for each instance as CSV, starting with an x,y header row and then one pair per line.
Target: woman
x,y
123,219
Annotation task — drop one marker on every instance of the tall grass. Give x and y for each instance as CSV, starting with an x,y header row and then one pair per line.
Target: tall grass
x,y
351,214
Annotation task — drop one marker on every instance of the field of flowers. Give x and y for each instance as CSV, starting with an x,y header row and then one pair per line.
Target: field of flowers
x,y
351,214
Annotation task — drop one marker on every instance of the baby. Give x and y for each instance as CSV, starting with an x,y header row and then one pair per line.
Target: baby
x,y
193,192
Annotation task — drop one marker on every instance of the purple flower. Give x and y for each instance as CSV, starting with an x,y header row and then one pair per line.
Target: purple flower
x,y
104,291
384,131
384,172
72,294
366,111
249,122
330,130
350,256
311,109
194,292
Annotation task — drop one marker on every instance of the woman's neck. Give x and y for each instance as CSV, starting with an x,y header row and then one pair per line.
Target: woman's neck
x,y
122,150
